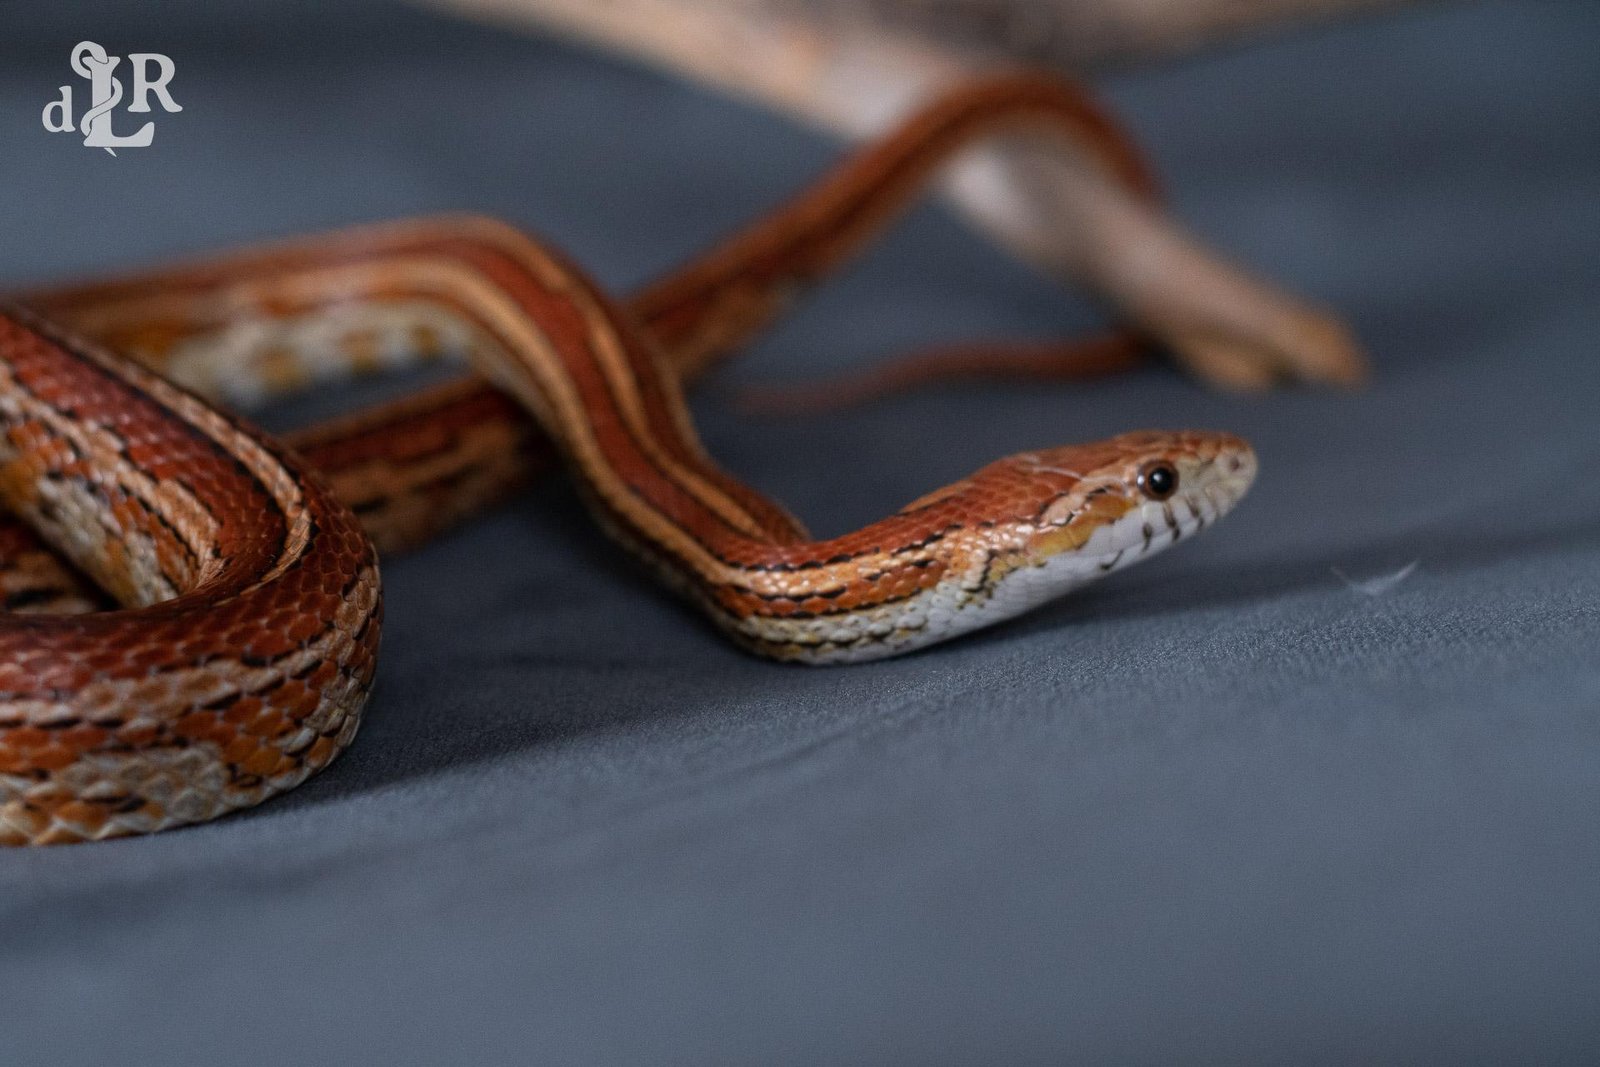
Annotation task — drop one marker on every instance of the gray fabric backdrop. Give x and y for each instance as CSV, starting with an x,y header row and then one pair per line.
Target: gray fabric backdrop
x,y
1220,809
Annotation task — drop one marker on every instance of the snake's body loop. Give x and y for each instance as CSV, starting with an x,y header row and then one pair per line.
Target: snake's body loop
x,y
243,641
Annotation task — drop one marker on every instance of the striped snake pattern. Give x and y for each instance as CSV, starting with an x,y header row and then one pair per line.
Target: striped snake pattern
x,y
194,607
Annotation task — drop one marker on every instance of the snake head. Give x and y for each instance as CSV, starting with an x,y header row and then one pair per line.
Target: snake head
x,y
1016,534
1108,504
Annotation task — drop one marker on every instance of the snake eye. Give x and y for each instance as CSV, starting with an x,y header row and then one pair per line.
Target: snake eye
x,y
1159,480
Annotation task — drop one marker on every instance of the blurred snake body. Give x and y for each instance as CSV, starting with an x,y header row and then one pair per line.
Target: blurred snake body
x,y
240,642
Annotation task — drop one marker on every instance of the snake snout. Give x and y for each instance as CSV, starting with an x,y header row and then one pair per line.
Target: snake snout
x,y
1212,475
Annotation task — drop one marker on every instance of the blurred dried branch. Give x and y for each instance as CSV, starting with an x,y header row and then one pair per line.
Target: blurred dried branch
x,y
856,65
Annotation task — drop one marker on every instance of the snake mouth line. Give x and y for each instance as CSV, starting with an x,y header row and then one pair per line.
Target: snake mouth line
x,y
1156,526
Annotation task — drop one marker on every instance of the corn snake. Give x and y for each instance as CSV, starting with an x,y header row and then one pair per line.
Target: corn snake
x,y
243,643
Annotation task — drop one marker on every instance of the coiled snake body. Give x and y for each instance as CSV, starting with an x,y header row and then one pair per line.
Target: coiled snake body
x,y
242,643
